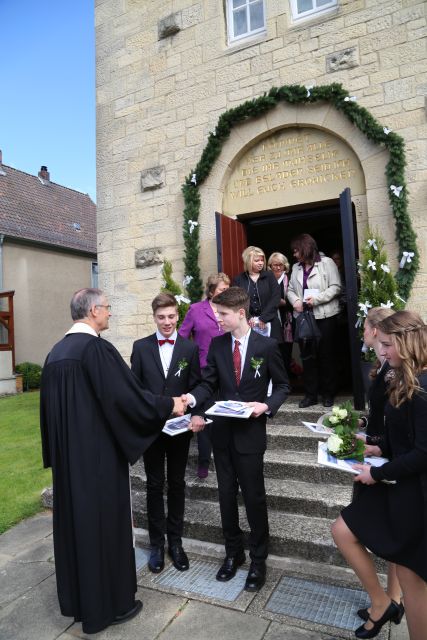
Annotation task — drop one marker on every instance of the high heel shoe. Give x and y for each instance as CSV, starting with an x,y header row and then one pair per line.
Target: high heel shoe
x,y
364,613
391,613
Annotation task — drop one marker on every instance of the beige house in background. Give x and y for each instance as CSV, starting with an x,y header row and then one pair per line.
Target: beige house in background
x,y
47,251
167,70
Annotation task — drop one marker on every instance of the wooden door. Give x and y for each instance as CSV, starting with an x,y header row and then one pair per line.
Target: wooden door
x,y
351,296
230,242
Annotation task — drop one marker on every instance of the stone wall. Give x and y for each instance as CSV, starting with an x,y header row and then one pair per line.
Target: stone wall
x,y
165,74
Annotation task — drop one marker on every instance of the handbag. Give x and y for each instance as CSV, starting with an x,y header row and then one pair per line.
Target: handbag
x,y
306,327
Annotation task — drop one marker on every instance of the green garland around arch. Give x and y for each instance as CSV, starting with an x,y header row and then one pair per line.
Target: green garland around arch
x,y
297,94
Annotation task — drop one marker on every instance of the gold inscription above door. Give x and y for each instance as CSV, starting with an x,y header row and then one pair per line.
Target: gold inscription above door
x,y
293,166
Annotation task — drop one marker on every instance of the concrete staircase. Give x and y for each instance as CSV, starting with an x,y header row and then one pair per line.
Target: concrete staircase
x,y
303,497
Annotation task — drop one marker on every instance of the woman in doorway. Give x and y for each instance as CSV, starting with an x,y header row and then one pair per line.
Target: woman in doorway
x,y
391,519
201,324
279,265
381,374
315,283
263,291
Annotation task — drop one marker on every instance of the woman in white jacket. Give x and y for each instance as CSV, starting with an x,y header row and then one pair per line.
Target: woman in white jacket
x,y
315,282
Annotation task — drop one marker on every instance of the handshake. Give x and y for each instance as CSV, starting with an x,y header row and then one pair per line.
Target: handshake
x,y
180,405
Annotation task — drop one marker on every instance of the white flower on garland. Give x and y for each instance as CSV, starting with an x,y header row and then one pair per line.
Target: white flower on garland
x,y
373,243
350,99
309,87
396,190
187,280
180,298
364,307
372,265
194,179
406,257
192,224
385,268
388,305
387,130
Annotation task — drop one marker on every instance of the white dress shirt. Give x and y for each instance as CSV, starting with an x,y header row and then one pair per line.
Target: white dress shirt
x,y
166,351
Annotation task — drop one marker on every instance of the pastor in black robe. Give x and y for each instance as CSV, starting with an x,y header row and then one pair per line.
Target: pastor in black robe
x,y
95,420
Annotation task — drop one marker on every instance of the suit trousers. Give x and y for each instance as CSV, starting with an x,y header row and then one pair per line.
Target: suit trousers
x,y
247,470
319,360
173,449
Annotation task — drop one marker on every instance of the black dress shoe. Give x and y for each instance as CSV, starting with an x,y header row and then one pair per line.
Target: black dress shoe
x,y
156,562
229,567
129,614
328,401
179,557
256,577
308,401
364,613
390,613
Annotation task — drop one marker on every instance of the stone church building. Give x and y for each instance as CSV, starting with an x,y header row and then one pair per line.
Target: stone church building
x,y
167,70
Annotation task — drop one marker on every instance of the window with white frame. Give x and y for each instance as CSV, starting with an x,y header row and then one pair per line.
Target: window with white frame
x,y
307,8
245,18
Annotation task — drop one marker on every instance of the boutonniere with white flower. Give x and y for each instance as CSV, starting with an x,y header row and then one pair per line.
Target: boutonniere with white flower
x,y
256,364
182,364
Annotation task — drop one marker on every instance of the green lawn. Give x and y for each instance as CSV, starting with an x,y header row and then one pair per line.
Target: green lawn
x,y
22,476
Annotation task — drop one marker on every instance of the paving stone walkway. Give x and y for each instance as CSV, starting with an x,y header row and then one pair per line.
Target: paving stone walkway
x,y
29,607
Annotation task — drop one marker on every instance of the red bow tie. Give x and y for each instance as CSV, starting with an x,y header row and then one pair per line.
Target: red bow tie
x,y
166,340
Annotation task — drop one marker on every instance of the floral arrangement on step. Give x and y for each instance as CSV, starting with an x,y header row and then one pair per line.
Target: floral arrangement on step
x,y
342,443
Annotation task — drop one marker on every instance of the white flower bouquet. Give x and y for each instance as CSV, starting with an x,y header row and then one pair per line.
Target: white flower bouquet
x,y
342,443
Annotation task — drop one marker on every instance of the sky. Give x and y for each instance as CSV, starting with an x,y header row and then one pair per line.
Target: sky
x,y
47,89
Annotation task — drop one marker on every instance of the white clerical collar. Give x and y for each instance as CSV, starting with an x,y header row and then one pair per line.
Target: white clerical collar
x,y
82,327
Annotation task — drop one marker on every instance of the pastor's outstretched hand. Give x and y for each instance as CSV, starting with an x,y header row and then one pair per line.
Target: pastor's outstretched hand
x,y
179,406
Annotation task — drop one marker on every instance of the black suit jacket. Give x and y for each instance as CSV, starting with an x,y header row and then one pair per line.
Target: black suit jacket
x,y
249,435
147,366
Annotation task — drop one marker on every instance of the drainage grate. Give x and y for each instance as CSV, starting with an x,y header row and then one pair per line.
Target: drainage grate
x,y
141,557
200,579
322,603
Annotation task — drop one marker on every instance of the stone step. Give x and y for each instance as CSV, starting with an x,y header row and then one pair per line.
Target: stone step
x,y
291,534
291,496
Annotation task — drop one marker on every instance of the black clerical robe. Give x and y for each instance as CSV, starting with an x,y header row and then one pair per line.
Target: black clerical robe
x,y
95,419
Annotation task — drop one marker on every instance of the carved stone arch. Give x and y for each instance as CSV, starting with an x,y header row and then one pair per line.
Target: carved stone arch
x,y
372,207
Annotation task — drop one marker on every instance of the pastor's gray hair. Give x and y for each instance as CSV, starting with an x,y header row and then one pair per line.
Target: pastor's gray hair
x,y
82,302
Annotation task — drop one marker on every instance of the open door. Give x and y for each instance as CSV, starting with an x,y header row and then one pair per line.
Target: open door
x,y
230,242
351,296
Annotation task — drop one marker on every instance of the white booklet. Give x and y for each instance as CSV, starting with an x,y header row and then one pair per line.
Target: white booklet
x,y
181,424
328,460
316,427
230,409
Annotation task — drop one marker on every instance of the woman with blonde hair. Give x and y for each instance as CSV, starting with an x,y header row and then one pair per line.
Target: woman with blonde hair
x,y
391,519
279,265
263,290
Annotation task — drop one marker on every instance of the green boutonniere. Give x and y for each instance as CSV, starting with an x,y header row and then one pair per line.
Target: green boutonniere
x,y
182,364
255,364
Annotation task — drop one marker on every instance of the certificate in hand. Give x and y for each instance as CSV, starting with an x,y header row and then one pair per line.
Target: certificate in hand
x,y
230,409
326,459
174,426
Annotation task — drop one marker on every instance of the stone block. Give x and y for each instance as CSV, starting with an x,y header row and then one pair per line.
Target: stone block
x,y
153,178
344,59
192,15
148,257
169,25
399,90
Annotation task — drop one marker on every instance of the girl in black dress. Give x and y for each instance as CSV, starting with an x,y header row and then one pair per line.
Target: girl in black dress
x,y
373,423
391,519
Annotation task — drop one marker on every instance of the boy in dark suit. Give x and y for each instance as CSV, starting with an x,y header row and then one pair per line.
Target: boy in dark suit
x,y
169,364
240,365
